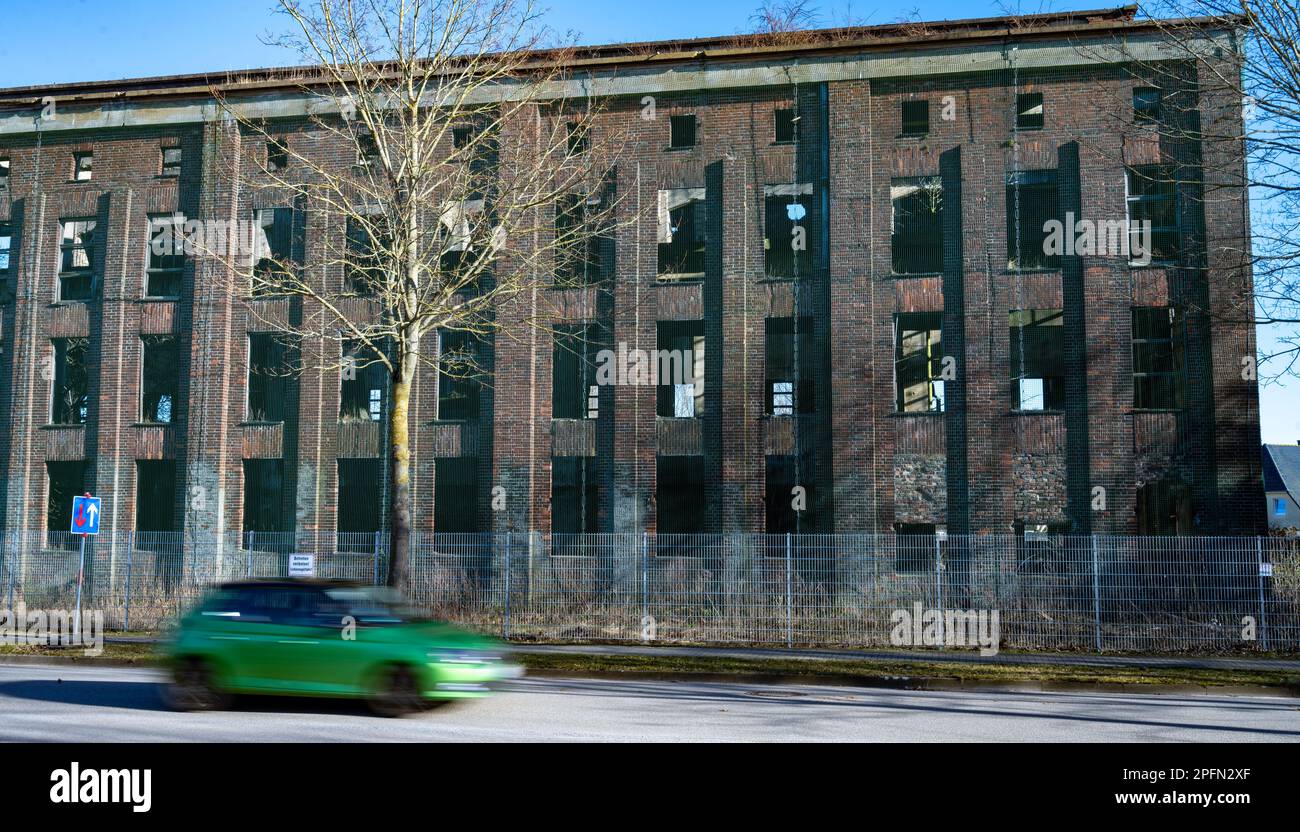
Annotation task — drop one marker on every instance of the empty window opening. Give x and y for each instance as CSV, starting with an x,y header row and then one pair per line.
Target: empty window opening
x,y
681,131
683,232
916,118
459,376
455,494
918,546
1032,200
1037,359
171,161
578,137
1151,203
71,389
268,375
1146,104
65,480
575,495
577,241
155,495
790,387
918,362
785,125
361,496
166,256
680,365
77,259
573,372
272,249
680,496
363,381
1029,111
263,495
917,239
277,155
1164,507
1157,358
787,230
160,378
83,166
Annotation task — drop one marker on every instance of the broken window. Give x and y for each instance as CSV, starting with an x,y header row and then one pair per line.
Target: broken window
x,y
1164,507
789,386
578,138
918,546
1029,111
361,495
574,495
1031,202
680,496
160,378
1039,546
916,118
574,394
1157,358
577,241
1146,104
77,259
4,177
155,495
683,232
679,365
1151,205
681,130
367,148
368,244
461,226
787,230
171,161
6,246
918,362
66,480
785,125
166,256
268,372
362,382
917,239
1037,359
71,390
458,376
272,249
455,494
83,166
263,495
277,155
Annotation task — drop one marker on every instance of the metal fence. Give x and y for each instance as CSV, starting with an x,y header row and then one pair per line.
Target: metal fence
x,y
1160,594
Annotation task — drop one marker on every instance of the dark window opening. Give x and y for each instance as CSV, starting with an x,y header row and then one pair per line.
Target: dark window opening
x,y
268,375
361,492
1037,359
367,148
1151,204
917,546
679,495
784,474
679,366
77,259
1029,111
683,232
66,480
171,161
575,493
455,494
579,139
681,132
155,495
459,379
363,381
789,386
787,230
785,125
272,249
160,378
574,394
1040,547
917,239
277,155
1146,104
71,398
368,245
83,166
577,241
166,256
1157,358
918,362
263,495
1031,203
1164,507
916,118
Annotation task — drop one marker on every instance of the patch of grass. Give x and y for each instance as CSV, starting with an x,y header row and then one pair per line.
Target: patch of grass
x,y
141,654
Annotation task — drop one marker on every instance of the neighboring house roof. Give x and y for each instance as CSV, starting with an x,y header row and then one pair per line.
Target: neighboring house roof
x,y
1282,469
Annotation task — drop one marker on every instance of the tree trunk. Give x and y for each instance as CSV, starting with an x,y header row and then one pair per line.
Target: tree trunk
x,y
399,459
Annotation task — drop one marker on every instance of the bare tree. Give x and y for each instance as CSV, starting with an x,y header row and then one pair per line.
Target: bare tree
x,y
440,160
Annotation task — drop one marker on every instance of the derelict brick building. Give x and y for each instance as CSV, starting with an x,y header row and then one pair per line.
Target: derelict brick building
x,y
925,362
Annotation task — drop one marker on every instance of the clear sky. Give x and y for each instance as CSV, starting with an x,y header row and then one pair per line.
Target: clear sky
x,y
84,40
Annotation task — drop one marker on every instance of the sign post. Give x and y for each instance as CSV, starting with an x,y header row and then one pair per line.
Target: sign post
x,y
85,522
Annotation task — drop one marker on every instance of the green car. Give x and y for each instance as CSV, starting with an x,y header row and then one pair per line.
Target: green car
x,y
316,638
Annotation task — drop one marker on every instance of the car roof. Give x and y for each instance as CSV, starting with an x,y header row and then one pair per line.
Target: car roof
x,y
273,583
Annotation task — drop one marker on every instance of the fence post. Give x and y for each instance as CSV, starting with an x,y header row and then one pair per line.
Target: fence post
x,y
1259,571
789,600
130,548
81,576
938,587
248,560
645,577
1096,596
505,620
374,580
13,573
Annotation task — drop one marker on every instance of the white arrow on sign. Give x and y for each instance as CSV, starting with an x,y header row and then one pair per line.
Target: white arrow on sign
x,y
91,511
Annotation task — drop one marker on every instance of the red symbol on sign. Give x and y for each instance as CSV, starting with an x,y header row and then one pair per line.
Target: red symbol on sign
x,y
81,512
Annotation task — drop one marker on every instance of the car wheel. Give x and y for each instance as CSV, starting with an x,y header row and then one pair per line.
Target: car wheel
x,y
397,693
194,688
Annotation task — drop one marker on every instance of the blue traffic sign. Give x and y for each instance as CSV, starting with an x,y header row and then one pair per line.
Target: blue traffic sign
x,y
85,515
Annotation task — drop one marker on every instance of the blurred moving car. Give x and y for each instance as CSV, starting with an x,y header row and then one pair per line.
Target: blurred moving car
x,y
318,638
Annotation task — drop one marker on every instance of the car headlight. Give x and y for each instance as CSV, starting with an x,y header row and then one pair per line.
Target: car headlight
x,y
463,656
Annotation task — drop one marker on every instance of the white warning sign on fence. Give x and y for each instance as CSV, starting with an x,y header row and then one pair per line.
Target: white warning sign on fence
x,y
1266,570
302,565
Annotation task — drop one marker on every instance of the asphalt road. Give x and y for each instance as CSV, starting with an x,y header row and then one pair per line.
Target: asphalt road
x,y
112,704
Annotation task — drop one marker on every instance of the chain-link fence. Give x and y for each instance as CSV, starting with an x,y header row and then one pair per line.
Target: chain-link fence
x,y
1161,594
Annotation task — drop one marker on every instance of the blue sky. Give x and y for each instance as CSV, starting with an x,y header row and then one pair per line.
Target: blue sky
x,y
100,40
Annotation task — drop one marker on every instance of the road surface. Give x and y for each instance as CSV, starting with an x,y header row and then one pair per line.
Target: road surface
x,y
113,704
